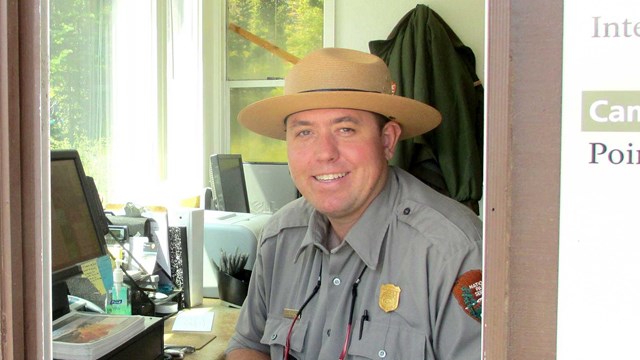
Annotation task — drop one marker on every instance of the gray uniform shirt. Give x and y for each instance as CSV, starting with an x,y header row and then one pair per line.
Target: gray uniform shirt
x,y
413,244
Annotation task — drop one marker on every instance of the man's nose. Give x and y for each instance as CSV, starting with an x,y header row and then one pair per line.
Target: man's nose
x,y
327,148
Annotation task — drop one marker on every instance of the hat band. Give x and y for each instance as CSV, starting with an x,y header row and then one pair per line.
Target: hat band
x,y
339,89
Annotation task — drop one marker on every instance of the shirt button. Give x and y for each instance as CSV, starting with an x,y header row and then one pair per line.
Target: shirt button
x,y
336,281
407,211
274,336
382,354
329,332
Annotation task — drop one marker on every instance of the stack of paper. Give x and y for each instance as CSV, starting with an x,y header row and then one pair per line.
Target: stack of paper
x,y
81,335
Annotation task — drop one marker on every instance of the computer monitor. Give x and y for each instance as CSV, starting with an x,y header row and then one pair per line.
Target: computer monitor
x,y
77,233
228,184
269,186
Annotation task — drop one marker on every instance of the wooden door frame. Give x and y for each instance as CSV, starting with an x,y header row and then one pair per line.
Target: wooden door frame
x,y
23,157
523,116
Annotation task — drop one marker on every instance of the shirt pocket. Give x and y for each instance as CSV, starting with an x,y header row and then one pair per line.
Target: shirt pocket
x,y
381,341
275,335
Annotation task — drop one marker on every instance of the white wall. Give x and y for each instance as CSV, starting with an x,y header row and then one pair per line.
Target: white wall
x,y
361,21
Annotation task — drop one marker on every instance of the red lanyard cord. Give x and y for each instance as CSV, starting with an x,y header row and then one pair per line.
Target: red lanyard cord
x,y
354,295
287,346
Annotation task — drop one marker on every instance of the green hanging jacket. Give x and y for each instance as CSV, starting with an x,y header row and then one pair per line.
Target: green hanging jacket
x,y
429,63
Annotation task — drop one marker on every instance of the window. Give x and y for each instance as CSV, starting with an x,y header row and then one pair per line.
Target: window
x,y
79,80
125,90
131,86
255,71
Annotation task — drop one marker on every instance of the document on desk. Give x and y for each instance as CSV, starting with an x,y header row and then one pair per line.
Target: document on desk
x,y
194,320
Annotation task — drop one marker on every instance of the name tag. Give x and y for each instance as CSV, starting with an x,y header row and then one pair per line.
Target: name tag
x,y
289,313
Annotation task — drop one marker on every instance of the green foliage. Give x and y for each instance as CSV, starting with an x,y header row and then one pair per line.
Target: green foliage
x,y
295,26
252,146
77,73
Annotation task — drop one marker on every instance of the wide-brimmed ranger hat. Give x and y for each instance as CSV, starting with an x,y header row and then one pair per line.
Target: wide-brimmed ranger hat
x,y
339,78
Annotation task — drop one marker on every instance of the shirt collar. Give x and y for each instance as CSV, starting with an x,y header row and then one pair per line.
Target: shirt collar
x,y
367,236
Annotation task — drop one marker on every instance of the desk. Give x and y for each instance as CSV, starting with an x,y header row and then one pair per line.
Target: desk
x,y
146,345
224,324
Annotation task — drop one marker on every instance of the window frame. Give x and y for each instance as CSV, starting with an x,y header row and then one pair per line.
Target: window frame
x,y
218,113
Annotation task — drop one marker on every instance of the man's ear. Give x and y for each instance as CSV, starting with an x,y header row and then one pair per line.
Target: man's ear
x,y
390,134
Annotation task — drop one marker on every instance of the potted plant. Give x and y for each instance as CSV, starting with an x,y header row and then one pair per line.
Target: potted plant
x,y
233,278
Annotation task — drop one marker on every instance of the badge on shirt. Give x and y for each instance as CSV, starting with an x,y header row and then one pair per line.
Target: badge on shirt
x,y
468,291
389,297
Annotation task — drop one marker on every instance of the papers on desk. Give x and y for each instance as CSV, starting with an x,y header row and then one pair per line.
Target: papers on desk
x,y
87,336
194,320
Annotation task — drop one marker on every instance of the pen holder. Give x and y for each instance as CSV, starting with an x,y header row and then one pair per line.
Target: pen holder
x,y
232,289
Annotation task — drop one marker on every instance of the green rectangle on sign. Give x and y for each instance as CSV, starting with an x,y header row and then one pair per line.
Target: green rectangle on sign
x,y
617,111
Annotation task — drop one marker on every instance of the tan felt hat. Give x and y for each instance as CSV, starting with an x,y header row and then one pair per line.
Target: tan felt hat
x,y
339,78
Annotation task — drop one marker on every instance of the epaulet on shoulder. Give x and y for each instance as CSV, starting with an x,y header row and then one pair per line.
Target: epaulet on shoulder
x,y
294,214
448,210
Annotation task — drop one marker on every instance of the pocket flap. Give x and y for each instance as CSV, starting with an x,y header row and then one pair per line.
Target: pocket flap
x,y
277,328
388,342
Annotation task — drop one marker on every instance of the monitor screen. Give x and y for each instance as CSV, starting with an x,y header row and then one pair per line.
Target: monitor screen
x,y
77,234
228,184
269,186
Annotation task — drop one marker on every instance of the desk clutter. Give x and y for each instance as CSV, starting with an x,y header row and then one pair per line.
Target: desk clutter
x,y
161,255
163,283
114,265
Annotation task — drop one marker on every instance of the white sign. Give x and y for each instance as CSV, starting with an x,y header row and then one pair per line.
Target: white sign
x,y
599,292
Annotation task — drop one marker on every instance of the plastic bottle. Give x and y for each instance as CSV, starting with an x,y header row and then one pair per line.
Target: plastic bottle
x,y
118,301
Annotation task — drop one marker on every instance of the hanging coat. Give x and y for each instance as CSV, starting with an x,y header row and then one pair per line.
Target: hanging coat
x,y
429,63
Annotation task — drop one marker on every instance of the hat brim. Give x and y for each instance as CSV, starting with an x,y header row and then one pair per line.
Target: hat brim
x,y
266,117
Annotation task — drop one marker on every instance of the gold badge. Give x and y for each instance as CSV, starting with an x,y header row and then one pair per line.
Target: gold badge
x,y
389,297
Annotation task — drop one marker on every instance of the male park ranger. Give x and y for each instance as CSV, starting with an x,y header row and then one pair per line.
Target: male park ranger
x,y
370,263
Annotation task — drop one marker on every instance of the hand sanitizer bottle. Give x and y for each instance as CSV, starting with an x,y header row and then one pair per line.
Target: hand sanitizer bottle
x,y
118,299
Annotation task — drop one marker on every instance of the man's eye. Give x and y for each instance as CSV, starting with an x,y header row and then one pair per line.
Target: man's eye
x,y
304,132
347,130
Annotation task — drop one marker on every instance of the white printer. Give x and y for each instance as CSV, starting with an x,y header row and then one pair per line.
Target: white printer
x,y
228,231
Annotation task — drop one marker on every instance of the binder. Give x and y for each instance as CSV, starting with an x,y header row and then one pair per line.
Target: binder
x,y
179,262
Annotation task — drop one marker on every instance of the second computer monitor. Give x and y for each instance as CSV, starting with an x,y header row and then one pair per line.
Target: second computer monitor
x,y
77,235
228,183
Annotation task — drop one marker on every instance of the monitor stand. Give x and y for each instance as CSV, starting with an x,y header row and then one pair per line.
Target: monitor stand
x,y
59,300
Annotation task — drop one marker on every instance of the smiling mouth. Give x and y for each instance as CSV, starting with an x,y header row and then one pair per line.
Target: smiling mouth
x,y
330,177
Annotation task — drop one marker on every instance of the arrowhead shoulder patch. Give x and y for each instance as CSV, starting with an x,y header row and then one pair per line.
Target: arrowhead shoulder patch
x,y
468,291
